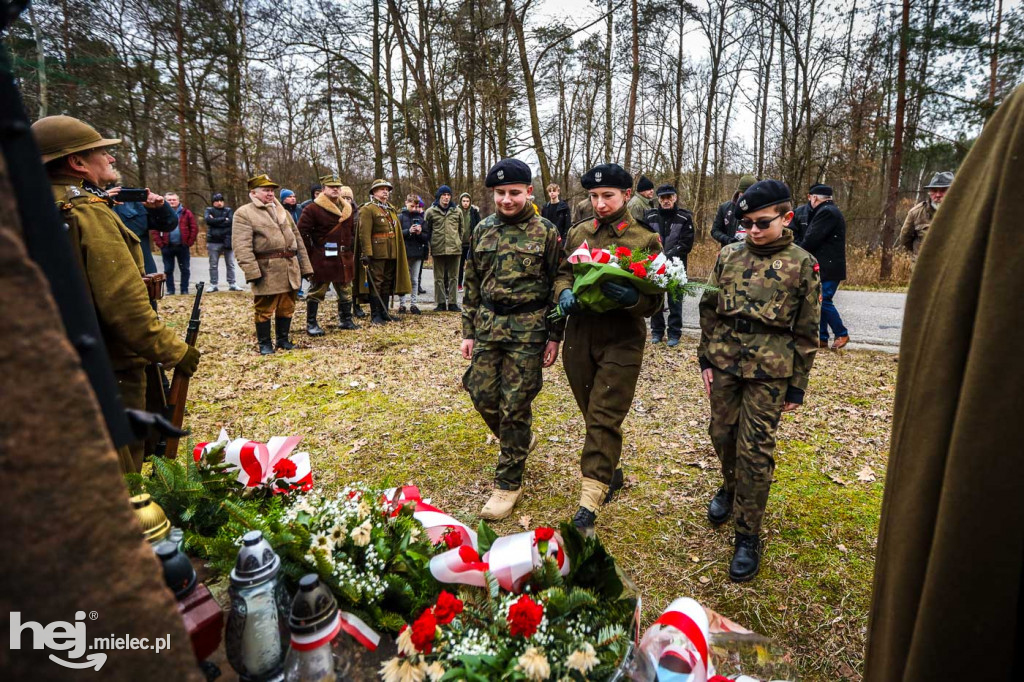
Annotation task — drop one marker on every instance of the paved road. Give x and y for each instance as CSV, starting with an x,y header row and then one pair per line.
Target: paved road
x,y
873,318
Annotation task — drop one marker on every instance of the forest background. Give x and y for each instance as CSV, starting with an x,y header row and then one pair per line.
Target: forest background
x,y
871,96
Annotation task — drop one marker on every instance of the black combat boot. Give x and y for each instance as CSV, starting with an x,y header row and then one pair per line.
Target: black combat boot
x,y
263,337
312,328
720,507
615,486
746,560
376,312
584,521
283,326
345,315
357,310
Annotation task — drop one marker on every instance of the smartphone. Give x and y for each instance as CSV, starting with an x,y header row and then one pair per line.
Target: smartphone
x,y
129,194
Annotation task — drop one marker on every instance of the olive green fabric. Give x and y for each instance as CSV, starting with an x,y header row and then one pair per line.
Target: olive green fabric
x,y
776,287
111,259
446,230
639,205
511,264
266,228
947,590
388,244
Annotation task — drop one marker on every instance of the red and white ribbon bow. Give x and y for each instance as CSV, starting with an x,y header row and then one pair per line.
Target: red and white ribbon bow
x,y
259,464
511,560
581,254
435,522
677,643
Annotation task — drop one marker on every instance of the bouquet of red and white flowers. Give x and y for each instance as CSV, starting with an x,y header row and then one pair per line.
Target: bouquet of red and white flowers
x,y
647,272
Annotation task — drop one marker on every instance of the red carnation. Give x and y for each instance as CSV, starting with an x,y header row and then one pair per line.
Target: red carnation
x,y
452,539
623,252
543,534
524,616
424,629
448,606
285,468
638,269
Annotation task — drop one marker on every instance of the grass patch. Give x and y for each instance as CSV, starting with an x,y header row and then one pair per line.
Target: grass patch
x,y
386,405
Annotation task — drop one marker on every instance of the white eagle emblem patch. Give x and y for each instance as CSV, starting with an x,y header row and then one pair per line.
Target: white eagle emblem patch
x,y
501,175
597,176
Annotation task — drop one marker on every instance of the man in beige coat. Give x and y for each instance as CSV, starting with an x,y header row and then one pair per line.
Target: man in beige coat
x,y
270,253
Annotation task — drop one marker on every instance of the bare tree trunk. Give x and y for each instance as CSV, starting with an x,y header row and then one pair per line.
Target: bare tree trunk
x,y
179,52
330,117
531,93
895,161
634,82
378,152
994,62
764,104
37,35
608,88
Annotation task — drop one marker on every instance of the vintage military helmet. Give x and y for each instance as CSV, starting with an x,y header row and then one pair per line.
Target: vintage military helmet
x,y
59,136
940,180
380,183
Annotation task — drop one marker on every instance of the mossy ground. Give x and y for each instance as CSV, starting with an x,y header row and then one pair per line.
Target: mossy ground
x,y
386,405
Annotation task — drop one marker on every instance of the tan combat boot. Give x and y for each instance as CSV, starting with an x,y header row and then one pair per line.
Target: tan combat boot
x,y
501,504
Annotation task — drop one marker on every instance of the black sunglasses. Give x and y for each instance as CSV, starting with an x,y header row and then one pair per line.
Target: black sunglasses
x,y
762,223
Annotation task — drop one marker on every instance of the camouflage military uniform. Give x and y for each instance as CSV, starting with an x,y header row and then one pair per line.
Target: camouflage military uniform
x,y
759,334
603,353
510,271
915,228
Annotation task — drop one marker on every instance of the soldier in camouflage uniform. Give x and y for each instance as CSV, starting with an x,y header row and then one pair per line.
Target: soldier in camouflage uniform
x,y
758,339
603,352
510,271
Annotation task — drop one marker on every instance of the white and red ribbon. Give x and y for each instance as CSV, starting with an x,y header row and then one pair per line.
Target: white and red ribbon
x,y
359,630
581,254
435,522
512,558
255,461
681,632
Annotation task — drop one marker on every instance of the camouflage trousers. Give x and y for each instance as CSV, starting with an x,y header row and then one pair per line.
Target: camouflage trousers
x,y
502,380
744,417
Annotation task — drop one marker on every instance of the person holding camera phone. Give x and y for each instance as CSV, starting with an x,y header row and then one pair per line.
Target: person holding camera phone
x,y
141,211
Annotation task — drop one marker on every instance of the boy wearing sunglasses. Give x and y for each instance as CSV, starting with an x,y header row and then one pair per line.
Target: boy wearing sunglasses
x,y
759,332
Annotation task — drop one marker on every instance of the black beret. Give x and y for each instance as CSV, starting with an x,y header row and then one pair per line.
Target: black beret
x,y
508,172
607,175
762,195
666,190
823,190
643,184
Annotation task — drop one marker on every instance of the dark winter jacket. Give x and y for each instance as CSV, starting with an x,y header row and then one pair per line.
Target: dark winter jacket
x,y
189,231
675,227
801,218
560,215
140,220
218,225
723,230
417,246
294,211
826,240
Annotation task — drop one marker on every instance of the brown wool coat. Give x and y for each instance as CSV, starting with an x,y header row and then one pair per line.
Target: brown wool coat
x,y
948,573
260,228
324,222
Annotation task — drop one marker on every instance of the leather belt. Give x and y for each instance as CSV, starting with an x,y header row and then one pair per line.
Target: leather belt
x,y
379,235
746,326
267,255
529,307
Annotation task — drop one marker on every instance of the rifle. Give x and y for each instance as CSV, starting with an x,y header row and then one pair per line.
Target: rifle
x,y
178,394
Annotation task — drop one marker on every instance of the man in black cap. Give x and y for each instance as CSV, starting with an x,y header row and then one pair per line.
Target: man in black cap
x,y
825,239
603,352
757,345
643,200
723,229
506,333
675,227
218,241
919,219
314,191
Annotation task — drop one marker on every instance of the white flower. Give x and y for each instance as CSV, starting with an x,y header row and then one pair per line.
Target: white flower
x,y
361,534
405,645
363,509
337,535
414,534
534,665
323,542
398,670
582,659
436,671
